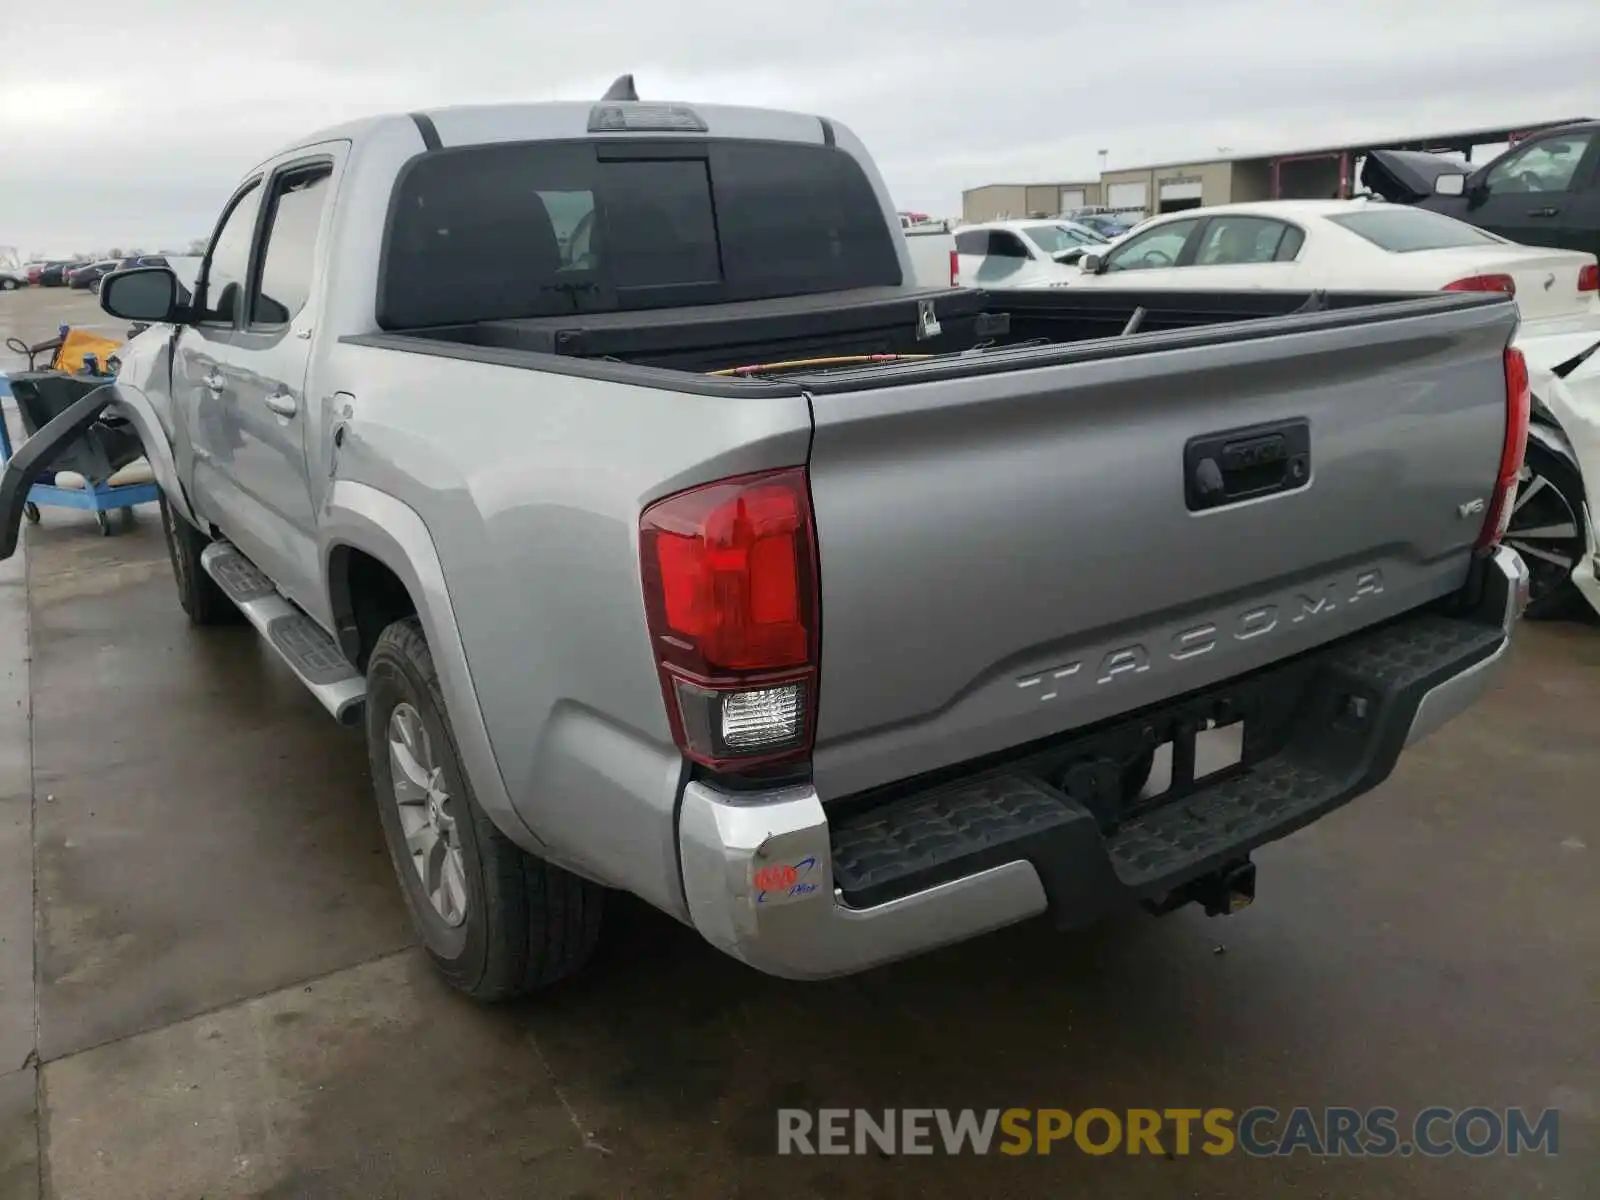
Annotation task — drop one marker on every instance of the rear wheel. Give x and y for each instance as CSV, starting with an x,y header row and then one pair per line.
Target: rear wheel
x,y
198,593
1546,528
8,285
496,921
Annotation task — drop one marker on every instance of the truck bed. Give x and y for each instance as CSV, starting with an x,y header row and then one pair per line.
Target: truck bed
x,y
873,321
1014,533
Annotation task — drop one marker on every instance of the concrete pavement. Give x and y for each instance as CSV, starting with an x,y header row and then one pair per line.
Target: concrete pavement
x,y
225,1003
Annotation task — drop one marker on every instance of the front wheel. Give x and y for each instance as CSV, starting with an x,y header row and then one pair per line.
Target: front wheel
x,y
496,921
198,593
1546,528
8,285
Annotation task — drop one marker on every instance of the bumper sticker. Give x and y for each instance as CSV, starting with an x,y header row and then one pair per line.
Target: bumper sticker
x,y
779,883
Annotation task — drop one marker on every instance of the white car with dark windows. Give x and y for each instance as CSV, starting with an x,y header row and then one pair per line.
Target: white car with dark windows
x,y
1369,246
1022,254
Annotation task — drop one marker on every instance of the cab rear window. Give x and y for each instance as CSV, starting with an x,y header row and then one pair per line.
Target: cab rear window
x,y
1402,230
497,232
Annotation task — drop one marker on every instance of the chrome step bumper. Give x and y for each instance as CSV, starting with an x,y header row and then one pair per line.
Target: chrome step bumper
x,y
772,880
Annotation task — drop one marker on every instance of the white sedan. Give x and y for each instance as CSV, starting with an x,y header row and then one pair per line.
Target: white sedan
x,y
1345,245
1371,246
1024,254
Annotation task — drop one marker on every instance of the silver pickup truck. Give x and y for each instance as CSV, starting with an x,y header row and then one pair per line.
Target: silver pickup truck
x,y
603,462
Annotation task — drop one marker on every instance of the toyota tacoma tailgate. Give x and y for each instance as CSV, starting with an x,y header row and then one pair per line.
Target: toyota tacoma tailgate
x,y
1010,553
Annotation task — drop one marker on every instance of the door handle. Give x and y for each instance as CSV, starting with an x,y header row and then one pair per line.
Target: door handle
x,y
213,381
283,404
1544,212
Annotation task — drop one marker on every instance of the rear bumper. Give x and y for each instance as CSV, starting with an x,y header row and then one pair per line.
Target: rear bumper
x,y
773,881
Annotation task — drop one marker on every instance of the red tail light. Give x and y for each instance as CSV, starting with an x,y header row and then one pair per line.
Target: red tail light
x,y
1589,278
1519,402
730,590
955,268
1484,283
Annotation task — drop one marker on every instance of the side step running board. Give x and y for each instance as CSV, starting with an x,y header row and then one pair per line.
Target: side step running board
x,y
311,654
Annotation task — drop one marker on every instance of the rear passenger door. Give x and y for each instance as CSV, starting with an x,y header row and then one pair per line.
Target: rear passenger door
x,y
1238,251
1580,212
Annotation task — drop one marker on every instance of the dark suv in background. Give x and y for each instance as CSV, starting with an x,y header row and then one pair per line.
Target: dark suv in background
x,y
1544,191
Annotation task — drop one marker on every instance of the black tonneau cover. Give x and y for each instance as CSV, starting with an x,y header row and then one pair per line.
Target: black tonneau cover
x,y
865,321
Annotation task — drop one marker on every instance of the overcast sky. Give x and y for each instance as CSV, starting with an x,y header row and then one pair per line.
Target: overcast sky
x,y
124,124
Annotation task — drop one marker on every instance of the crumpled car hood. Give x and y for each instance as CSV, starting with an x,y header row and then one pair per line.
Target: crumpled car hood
x,y
1406,176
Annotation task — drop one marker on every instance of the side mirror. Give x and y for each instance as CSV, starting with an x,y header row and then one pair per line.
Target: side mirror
x,y
1090,264
1450,185
141,294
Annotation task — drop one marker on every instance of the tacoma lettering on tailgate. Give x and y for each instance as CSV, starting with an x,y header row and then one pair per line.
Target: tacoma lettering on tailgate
x,y
1243,625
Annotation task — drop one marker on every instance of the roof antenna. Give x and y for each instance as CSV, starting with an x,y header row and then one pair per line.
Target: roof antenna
x,y
621,89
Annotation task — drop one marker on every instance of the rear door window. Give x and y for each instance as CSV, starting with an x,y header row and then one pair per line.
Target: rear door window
x,y
546,228
1401,230
1004,256
284,285
1239,240
1005,244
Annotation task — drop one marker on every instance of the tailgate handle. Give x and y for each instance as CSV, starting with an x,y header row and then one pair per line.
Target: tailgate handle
x,y
1245,464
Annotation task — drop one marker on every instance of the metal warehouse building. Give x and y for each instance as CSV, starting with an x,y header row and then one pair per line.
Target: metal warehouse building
x,y
1329,171
995,201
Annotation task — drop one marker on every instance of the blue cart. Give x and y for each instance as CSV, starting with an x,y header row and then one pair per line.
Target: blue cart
x,y
100,498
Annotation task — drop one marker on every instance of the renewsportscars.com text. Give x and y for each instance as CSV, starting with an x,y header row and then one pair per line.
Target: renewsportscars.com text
x,y
1259,1132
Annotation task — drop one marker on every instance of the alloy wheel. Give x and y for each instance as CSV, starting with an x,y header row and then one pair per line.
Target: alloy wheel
x,y
428,815
1545,530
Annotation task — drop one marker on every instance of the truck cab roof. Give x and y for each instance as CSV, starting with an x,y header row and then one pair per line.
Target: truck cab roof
x,y
481,124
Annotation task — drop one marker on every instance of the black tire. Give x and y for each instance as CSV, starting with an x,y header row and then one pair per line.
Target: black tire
x,y
8,285
30,510
1550,497
528,924
201,598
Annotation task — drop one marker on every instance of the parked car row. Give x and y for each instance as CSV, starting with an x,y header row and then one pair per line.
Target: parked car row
x,y
75,273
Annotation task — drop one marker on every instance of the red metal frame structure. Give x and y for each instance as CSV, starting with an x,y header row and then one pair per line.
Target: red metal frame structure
x,y
1343,156
1447,144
